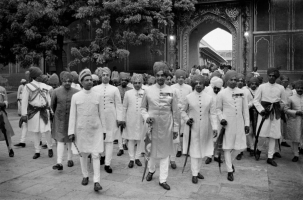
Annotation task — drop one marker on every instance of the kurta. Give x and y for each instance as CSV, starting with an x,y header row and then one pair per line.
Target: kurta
x,y
19,97
202,109
111,108
184,90
132,115
8,127
284,133
294,122
270,93
232,106
36,124
85,122
60,104
160,102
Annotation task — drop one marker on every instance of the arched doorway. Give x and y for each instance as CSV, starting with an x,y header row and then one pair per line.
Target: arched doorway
x,y
199,27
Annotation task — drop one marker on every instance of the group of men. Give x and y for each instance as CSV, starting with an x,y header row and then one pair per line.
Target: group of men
x,y
185,118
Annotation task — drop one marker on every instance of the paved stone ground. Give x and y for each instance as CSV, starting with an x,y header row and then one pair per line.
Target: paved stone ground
x,y
22,177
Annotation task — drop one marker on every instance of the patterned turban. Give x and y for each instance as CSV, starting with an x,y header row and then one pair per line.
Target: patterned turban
x,y
179,73
124,75
160,66
84,73
67,76
216,82
54,79
34,72
137,78
230,74
275,70
75,75
106,70
95,77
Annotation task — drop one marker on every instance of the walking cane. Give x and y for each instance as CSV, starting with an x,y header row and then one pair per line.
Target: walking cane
x,y
77,148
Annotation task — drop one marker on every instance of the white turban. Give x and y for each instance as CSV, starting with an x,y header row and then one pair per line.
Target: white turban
x,y
216,82
95,77
99,71
204,71
84,73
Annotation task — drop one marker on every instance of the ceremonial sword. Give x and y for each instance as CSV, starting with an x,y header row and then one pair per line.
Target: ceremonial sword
x,y
187,153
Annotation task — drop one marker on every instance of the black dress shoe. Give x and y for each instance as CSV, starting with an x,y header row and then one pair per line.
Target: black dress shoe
x,y
20,145
44,146
165,186
37,155
233,168
200,176
300,150
97,186
284,144
149,176
248,149
120,152
179,154
131,164
58,167
271,162
138,162
277,155
70,163
208,160
295,159
102,160
258,154
108,169
11,153
125,147
251,153
85,181
50,153
115,142
173,164
217,159
239,156
194,179
230,176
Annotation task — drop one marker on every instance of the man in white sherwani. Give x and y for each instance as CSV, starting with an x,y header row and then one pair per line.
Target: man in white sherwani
x,y
36,110
216,84
112,113
134,123
232,110
269,100
184,90
199,112
86,128
160,109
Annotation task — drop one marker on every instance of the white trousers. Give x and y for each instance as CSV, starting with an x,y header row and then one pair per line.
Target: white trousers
x,y
131,149
230,155
250,141
295,149
173,156
38,139
271,143
23,132
195,165
108,152
60,151
96,165
164,162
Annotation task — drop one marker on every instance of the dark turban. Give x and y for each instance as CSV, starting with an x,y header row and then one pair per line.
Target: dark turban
x,y
160,66
299,84
67,76
54,79
239,75
230,74
283,77
254,79
179,73
44,79
61,75
34,72
273,70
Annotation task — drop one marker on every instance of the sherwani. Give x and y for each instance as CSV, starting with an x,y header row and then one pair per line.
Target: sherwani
x,y
8,127
284,132
232,105
111,108
202,109
271,127
134,120
37,94
85,121
160,102
19,97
